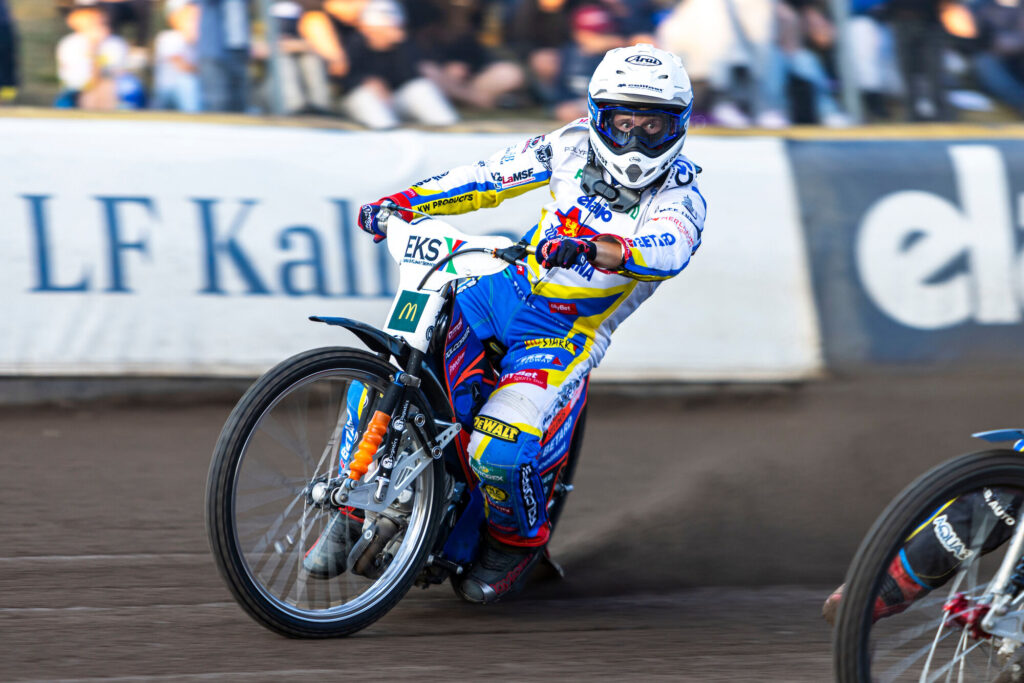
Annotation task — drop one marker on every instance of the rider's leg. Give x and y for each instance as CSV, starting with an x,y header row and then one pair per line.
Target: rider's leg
x,y
328,555
537,399
955,532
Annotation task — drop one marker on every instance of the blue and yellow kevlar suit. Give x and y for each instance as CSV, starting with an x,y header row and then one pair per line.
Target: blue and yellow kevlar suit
x,y
556,323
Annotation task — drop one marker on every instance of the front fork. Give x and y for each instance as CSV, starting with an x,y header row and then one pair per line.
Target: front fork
x,y
394,410
1000,620
387,413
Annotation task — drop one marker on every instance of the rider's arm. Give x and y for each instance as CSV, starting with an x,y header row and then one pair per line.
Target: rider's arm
x,y
611,253
508,173
663,245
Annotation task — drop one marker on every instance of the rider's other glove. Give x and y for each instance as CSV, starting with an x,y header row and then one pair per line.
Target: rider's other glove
x,y
564,252
368,218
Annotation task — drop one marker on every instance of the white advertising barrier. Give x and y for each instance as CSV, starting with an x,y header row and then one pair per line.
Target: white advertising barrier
x,y
179,248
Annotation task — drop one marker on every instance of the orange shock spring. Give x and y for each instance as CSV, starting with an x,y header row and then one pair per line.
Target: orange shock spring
x,y
371,441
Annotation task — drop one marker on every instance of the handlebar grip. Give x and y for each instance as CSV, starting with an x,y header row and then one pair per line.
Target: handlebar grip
x,y
388,209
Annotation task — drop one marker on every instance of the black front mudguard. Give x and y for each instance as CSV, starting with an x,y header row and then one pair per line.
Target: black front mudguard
x,y
388,346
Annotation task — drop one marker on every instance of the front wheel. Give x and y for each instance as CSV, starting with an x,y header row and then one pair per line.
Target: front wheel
x,y
291,431
916,592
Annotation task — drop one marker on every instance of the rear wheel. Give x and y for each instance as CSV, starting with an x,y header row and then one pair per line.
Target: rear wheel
x,y
286,436
936,635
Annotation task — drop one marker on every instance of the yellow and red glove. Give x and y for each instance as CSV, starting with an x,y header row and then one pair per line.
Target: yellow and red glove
x,y
368,215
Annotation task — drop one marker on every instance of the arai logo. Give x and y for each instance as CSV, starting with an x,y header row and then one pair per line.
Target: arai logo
x,y
643,60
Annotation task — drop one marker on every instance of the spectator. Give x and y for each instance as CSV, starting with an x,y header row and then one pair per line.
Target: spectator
x,y
920,42
121,13
998,63
730,51
8,55
175,79
332,32
634,19
371,59
594,32
874,58
302,74
90,60
466,70
539,31
806,36
223,51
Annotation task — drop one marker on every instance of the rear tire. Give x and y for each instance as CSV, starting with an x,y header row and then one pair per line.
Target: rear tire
x,y
261,521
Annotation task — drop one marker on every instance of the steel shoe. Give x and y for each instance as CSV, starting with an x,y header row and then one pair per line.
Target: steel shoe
x,y
501,570
328,556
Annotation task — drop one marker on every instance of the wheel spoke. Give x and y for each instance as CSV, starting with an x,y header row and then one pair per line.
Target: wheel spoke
x,y
903,665
957,659
273,427
273,534
294,440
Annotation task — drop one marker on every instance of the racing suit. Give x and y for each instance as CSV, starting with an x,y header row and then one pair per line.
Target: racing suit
x,y
977,522
555,323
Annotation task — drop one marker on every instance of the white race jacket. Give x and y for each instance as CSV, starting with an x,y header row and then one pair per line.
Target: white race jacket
x,y
659,234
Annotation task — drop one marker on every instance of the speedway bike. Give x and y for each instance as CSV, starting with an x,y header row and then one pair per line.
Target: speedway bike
x,y
969,628
376,435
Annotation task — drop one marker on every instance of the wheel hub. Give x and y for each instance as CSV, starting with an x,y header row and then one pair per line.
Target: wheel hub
x,y
318,493
963,613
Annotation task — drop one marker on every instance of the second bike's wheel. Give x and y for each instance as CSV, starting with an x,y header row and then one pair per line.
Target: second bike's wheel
x,y
960,507
287,433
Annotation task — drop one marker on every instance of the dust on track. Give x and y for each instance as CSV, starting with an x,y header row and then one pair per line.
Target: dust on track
x,y
702,535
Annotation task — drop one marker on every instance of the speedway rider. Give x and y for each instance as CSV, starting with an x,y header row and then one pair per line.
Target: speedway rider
x,y
625,215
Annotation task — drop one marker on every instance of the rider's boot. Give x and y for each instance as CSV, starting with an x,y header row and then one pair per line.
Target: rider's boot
x,y
327,558
899,590
501,570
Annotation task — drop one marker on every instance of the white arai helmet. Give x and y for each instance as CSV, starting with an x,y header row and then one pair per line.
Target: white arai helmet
x,y
639,101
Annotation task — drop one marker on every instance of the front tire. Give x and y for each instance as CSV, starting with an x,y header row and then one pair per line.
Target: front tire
x,y
261,520
926,641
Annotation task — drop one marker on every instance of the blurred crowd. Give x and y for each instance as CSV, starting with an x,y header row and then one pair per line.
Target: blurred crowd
x,y
768,63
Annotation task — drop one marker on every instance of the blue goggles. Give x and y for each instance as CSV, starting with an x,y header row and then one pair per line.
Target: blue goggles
x,y
638,128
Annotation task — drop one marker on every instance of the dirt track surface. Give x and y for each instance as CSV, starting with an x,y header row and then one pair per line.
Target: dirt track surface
x,y
703,533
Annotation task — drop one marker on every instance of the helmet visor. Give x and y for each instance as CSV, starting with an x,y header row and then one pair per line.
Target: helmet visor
x,y
627,127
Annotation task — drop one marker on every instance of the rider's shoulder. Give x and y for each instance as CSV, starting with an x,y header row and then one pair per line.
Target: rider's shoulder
x,y
567,145
574,134
680,191
683,173
577,127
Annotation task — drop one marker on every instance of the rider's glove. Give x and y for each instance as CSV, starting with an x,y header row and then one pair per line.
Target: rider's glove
x,y
369,219
564,252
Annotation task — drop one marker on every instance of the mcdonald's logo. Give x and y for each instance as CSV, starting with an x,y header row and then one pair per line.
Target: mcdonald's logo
x,y
408,310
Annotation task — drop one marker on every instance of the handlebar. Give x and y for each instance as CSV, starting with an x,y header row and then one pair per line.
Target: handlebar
x,y
515,252
508,254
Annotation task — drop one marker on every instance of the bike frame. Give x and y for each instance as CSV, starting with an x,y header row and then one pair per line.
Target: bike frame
x,y
430,259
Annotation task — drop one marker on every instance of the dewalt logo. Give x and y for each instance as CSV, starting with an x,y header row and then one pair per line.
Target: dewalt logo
x,y
496,428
